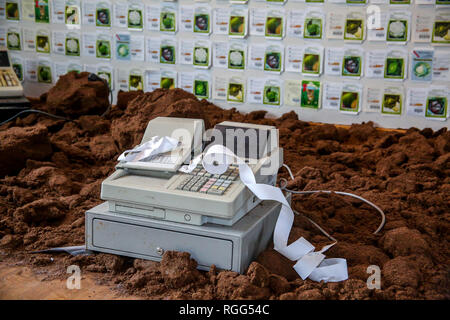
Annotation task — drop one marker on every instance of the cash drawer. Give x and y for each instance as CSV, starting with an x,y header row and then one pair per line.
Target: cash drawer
x,y
150,242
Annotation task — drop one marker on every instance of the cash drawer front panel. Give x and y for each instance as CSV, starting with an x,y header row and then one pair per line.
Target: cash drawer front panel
x,y
148,241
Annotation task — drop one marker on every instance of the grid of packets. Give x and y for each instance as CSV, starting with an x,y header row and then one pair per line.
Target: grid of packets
x,y
220,41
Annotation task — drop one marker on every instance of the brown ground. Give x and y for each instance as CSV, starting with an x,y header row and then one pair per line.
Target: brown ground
x,y
51,170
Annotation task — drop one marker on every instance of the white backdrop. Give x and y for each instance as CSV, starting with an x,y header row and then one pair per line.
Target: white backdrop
x,y
321,115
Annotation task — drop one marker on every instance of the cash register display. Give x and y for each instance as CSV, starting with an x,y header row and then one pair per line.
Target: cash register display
x,y
241,140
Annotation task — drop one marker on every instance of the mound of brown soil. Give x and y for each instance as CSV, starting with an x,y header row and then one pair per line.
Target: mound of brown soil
x,y
53,176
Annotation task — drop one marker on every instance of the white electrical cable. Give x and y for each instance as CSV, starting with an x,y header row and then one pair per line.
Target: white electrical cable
x,y
283,187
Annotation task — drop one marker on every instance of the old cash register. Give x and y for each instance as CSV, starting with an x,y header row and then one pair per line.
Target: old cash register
x,y
151,206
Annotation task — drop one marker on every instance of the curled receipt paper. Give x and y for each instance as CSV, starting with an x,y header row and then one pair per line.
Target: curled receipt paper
x,y
156,145
310,264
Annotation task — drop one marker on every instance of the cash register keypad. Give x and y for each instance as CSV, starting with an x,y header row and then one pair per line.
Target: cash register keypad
x,y
199,180
7,79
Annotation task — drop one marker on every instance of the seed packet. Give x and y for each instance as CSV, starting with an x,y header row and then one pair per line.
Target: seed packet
x,y
202,54
43,44
255,90
310,94
106,73
258,22
377,24
236,90
256,54
441,27
135,16
202,85
72,13
220,87
168,19
400,1
167,51
103,46
135,80
350,98
416,100
292,93
17,65
422,64
120,20
237,54
373,96
12,9
72,44
423,25
237,26
123,51
274,26
186,51
74,66
352,62
294,56
335,24
168,79
354,26
395,65
437,104
202,20
13,39
392,102
397,28
331,95
272,92
312,61
313,25
103,14
375,60
273,58
41,11
59,42
356,1
44,71
441,66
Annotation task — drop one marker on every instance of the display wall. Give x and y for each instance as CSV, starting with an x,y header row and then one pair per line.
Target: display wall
x,y
334,61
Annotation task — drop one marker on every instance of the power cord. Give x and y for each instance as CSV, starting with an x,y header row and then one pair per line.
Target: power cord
x,y
91,77
283,188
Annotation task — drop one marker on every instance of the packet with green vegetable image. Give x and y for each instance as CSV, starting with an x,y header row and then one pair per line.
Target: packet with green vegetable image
x,y
310,94
400,1
41,11
394,66
43,41
274,27
12,9
354,26
235,90
168,19
135,81
201,86
272,93
72,45
441,32
350,97
237,25
103,15
44,72
392,102
103,47
313,25
13,39
312,60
